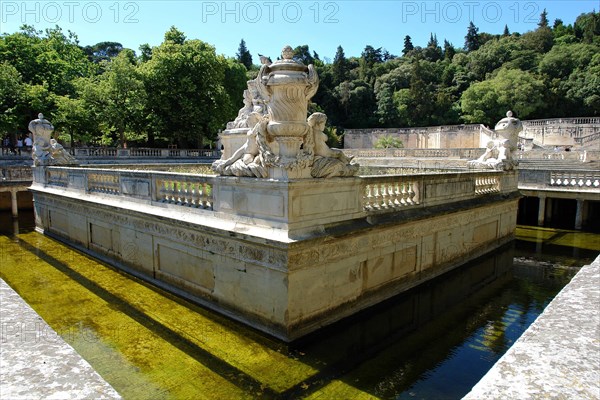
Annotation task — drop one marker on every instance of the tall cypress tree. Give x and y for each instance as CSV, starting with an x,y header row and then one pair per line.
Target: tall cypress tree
x,y
244,56
408,46
340,66
543,19
472,40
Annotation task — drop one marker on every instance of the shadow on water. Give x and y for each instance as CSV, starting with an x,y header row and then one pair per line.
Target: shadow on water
x,y
433,342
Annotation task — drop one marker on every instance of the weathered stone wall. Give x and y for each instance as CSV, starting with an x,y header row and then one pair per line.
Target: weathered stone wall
x,y
335,263
543,132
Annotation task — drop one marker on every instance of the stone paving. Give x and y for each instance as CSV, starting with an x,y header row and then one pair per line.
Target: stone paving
x,y
558,357
36,363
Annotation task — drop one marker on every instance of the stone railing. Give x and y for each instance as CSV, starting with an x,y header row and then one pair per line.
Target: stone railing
x,y
179,189
467,153
141,152
575,180
574,155
15,174
565,121
379,194
408,131
396,192
587,139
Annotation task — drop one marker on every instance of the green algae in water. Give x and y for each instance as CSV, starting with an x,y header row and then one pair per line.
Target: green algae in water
x,y
431,342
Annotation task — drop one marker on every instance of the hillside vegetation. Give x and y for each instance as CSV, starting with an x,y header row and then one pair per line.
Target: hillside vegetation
x,y
181,92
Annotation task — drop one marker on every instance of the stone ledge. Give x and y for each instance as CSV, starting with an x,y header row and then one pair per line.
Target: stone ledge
x,y
558,357
37,363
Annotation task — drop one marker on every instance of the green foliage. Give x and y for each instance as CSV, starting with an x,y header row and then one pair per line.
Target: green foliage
x,y
12,93
243,55
472,40
185,82
333,138
182,92
511,89
388,142
408,46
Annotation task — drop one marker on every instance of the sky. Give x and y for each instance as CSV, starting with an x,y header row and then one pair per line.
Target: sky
x,y
268,25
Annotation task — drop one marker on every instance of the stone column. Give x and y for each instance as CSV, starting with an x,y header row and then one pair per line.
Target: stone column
x,y
13,203
542,210
579,214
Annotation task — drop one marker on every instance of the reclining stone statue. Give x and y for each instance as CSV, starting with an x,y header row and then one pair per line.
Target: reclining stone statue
x,y
47,151
499,152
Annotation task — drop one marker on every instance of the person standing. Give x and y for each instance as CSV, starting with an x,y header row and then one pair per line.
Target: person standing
x,y
19,144
28,143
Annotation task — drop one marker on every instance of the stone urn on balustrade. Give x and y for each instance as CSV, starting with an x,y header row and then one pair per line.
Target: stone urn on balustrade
x,y
288,86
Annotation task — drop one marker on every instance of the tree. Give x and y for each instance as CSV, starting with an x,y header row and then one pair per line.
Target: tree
x,y
102,51
511,89
449,50
433,51
472,40
587,27
302,54
54,59
506,31
117,97
75,119
388,142
340,67
185,84
408,46
543,19
145,52
244,56
12,93
387,112
175,36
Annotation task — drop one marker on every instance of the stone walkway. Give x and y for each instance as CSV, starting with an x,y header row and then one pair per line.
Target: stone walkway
x,y
558,357
36,363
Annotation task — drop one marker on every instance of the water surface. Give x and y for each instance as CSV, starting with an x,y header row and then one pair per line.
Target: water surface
x,y
434,342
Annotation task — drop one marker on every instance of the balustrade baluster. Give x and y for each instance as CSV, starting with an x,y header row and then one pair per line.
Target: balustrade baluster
x,y
384,195
368,197
411,194
404,193
397,195
376,197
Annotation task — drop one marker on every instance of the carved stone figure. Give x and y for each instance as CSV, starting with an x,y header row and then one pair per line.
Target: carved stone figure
x,y
45,150
328,162
247,160
280,142
499,152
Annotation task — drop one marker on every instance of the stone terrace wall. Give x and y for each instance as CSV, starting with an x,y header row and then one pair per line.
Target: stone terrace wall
x,y
543,132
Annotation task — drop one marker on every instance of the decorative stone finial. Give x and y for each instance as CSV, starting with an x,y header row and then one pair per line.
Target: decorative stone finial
x,y
509,114
287,53
41,116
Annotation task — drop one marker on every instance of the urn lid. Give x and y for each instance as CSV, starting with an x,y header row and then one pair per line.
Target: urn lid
x,y
287,62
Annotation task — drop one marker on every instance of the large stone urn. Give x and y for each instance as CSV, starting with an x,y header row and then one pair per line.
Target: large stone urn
x,y
288,85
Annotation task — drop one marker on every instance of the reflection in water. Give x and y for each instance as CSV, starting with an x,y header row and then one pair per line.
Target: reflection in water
x,y
15,226
433,342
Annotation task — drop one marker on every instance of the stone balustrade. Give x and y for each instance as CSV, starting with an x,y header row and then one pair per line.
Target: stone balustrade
x,y
163,187
15,173
466,153
378,194
83,153
576,179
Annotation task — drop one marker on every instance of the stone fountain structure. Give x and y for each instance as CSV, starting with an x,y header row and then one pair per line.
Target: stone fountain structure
x,y
280,141
286,238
